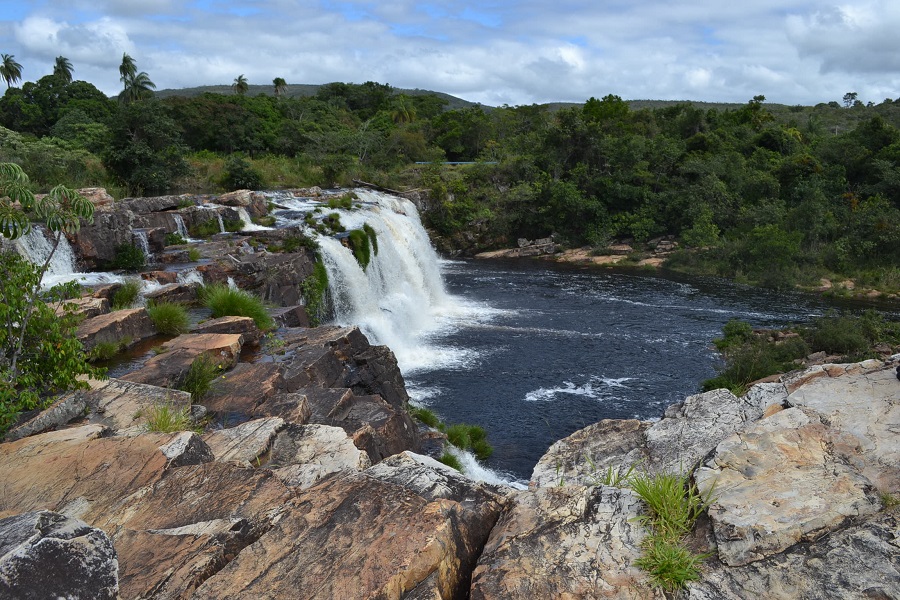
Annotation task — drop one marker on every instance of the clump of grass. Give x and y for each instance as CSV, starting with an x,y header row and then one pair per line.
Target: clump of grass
x,y
104,351
266,221
344,201
470,437
126,296
889,500
205,229
314,289
373,237
425,416
359,244
198,380
232,225
673,507
224,301
174,239
194,254
165,418
169,318
451,461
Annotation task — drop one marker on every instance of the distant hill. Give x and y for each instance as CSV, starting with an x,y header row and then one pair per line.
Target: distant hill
x,y
299,90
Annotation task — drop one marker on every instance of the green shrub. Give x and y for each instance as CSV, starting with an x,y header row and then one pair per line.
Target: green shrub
x,y
266,221
451,461
165,418
359,245
104,351
174,239
198,380
470,437
344,201
232,225
205,229
194,254
295,242
169,318
425,416
126,296
314,289
224,301
240,175
755,359
670,564
128,258
838,335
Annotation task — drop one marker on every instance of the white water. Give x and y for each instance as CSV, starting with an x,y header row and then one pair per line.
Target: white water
x,y
36,248
180,226
399,300
142,242
247,222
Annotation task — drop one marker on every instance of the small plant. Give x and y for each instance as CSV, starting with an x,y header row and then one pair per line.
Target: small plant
x,y
295,242
425,416
224,301
126,296
193,254
272,344
470,437
232,225
165,418
451,461
314,289
104,351
205,229
344,201
373,237
198,380
128,257
266,221
359,245
889,500
612,476
174,239
669,563
169,318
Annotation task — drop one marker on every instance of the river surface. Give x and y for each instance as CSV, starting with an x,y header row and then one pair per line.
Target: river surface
x,y
547,349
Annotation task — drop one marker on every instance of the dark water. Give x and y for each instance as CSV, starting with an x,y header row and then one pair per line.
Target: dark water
x,y
573,346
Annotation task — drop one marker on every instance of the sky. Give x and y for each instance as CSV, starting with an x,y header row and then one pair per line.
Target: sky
x,y
495,52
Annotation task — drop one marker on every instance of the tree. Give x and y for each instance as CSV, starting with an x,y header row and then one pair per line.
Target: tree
x,y
128,68
240,85
849,99
39,353
10,70
137,87
62,68
280,86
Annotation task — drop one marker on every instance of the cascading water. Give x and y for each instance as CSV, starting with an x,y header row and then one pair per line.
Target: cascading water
x,y
36,247
247,223
180,226
142,241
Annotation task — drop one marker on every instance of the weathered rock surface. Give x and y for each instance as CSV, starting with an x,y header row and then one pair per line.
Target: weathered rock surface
x,y
565,542
243,325
44,554
87,306
175,293
243,389
783,481
121,326
304,454
245,443
62,411
861,561
168,368
359,536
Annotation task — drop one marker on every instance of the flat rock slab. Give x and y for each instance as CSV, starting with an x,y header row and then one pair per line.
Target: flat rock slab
x,y
244,388
120,404
781,482
568,542
586,455
242,325
303,454
355,536
87,306
117,327
861,561
245,443
865,406
223,348
174,293
44,554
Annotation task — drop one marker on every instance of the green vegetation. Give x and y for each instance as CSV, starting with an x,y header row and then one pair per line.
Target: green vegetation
x,y
199,378
425,416
470,437
314,289
165,418
344,201
206,228
174,239
40,356
169,318
359,245
104,351
194,254
224,301
240,175
127,294
451,461
128,258
373,237
748,356
232,225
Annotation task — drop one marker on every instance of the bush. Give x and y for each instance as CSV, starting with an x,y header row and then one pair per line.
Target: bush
x,y
240,175
344,201
224,301
174,239
205,229
198,380
194,254
838,335
359,245
754,359
126,296
128,258
169,318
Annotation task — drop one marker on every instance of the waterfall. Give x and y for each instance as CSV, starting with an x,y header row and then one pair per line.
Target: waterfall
x,y
180,227
247,222
189,276
36,248
215,208
142,241
399,300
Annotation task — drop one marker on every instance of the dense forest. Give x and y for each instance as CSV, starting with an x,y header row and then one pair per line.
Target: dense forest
x,y
768,194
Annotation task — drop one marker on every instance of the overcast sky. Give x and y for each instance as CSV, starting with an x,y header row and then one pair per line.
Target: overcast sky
x,y
493,51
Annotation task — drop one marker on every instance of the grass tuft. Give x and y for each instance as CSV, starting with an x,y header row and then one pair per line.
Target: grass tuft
x,y
169,318
198,380
165,418
425,416
224,301
126,296
451,461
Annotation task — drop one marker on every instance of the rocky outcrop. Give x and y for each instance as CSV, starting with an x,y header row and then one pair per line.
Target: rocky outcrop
x,y
120,327
44,554
302,455
565,542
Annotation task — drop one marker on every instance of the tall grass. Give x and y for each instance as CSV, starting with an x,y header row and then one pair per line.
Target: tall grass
x,y
126,296
165,418
169,318
224,301
198,380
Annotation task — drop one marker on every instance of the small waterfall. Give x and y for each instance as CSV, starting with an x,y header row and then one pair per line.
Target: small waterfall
x,y
215,209
36,248
180,226
142,241
231,284
247,222
399,300
189,276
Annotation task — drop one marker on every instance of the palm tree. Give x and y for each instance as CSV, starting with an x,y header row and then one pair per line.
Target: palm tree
x,y
63,69
403,109
10,70
280,86
128,68
240,84
137,87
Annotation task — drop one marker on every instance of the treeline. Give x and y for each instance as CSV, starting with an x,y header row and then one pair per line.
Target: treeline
x,y
772,196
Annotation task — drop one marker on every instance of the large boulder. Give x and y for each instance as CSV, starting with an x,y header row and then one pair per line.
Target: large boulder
x,y
304,454
44,554
569,542
125,327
